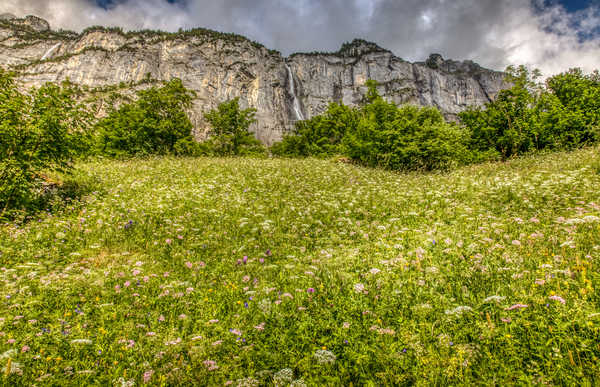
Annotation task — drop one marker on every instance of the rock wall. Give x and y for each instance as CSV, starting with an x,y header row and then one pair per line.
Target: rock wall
x,y
223,66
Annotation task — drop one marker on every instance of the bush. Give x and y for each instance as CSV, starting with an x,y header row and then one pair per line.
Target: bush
x,y
380,134
39,132
563,114
320,136
229,130
153,124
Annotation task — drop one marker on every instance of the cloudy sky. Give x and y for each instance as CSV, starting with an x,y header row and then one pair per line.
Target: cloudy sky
x,y
552,35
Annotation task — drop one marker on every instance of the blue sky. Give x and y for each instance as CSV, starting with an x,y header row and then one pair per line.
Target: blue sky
x,y
553,35
576,5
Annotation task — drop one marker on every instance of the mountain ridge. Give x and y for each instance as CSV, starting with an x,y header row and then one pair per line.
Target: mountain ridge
x,y
220,66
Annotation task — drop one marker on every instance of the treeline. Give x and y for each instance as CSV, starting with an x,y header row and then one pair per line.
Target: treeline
x,y
46,129
563,113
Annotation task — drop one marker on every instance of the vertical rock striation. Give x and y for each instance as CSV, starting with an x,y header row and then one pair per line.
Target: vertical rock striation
x,y
220,67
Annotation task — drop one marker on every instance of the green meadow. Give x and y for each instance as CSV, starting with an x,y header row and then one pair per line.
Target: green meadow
x,y
283,272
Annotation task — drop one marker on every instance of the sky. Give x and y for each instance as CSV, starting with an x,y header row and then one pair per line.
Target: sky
x,y
551,35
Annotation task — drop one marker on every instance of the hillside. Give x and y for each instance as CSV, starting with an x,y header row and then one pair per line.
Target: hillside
x,y
221,66
247,271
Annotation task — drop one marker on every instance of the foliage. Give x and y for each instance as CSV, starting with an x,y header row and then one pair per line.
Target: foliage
x,y
39,132
209,271
229,130
152,124
529,116
380,134
321,135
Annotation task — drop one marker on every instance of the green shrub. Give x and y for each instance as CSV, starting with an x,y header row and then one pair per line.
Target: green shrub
x,y
563,114
320,136
152,124
380,134
229,130
406,138
39,132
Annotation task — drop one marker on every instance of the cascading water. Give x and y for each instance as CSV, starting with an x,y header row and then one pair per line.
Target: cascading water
x,y
296,102
50,51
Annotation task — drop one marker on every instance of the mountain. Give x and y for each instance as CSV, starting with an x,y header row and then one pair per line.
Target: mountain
x,y
221,66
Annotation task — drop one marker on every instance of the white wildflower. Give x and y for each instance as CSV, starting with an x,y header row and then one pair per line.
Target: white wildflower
x,y
324,357
283,377
459,310
494,299
81,341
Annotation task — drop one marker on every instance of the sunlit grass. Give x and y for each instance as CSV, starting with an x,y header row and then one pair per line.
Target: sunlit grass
x,y
251,272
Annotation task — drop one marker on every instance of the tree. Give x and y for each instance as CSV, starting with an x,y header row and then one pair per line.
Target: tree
x,y
39,131
152,124
229,129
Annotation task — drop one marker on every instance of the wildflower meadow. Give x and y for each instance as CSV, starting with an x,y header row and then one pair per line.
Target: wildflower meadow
x,y
247,272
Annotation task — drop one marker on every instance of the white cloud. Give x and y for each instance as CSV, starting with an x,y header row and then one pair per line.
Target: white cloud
x,y
494,33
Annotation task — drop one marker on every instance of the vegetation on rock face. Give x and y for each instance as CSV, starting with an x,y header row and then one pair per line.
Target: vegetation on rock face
x,y
209,271
39,132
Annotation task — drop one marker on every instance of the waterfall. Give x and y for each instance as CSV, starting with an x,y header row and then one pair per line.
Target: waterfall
x,y
296,103
50,51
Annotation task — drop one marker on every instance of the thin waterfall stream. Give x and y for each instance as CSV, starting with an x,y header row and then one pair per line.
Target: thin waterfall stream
x,y
50,51
292,90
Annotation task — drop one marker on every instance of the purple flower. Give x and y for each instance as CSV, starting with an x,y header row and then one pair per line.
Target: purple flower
x,y
268,253
310,290
245,259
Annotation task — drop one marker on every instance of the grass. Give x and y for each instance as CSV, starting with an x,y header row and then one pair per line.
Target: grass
x,y
269,272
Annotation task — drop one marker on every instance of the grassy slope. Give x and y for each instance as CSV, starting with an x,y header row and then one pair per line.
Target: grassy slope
x,y
423,246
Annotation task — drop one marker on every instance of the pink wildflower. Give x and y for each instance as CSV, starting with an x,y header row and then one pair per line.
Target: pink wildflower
x,y
211,365
169,241
148,375
151,334
260,327
558,298
517,306
25,348
188,265
127,284
135,272
161,318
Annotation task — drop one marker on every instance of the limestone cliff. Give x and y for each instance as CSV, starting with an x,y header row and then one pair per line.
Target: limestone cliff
x,y
223,66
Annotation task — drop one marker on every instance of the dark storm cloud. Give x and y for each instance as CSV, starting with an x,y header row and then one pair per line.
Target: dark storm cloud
x,y
494,33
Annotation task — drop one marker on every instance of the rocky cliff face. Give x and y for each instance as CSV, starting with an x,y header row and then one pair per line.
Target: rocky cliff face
x,y
223,66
